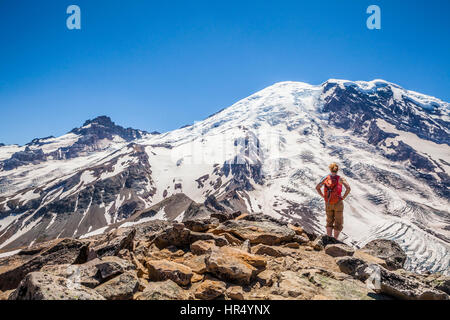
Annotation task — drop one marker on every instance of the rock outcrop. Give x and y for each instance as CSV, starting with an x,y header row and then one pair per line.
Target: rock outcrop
x,y
387,250
64,251
122,287
241,258
400,287
44,286
160,270
265,232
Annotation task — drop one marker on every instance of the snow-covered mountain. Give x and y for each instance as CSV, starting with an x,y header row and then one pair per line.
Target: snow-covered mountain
x,y
264,154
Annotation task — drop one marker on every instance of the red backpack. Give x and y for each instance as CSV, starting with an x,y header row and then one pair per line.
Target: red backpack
x,y
333,189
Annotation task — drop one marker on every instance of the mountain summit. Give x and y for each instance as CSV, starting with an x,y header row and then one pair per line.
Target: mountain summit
x,y
103,127
264,154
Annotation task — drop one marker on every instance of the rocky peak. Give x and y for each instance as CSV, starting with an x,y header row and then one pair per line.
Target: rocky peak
x,y
100,120
103,127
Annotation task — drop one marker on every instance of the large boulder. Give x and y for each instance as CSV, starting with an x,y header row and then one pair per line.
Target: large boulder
x,y
176,235
265,232
210,289
231,239
324,240
201,247
92,273
254,260
354,267
160,270
85,274
66,251
400,287
122,287
387,250
114,242
111,266
232,265
369,259
195,262
218,240
266,278
165,290
44,286
339,250
148,230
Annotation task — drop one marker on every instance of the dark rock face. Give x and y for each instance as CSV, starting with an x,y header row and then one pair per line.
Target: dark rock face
x,y
349,108
405,152
226,207
242,174
376,135
111,266
387,250
212,202
243,170
22,158
352,109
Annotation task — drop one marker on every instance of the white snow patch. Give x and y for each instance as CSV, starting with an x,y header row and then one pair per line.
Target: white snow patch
x,y
10,253
94,233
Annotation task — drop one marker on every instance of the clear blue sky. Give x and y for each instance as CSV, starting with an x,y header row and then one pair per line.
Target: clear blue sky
x,y
158,65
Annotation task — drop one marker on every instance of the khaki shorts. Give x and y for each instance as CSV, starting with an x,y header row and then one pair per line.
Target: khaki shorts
x,y
335,215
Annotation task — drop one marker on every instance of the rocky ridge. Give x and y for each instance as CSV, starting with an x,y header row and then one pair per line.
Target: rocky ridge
x,y
230,256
